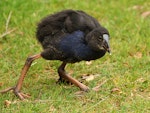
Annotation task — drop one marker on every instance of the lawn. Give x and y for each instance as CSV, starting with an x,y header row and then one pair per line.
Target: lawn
x,y
123,78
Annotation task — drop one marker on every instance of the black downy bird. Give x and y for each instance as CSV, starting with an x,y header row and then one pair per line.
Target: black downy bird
x,y
69,36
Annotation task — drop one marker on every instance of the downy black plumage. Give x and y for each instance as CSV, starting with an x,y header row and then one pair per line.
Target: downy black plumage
x,y
81,34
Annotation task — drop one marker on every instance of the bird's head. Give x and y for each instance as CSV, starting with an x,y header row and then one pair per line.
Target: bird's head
x,y
98,39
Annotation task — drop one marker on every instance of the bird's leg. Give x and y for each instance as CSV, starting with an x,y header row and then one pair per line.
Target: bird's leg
x,y
62,74
18,86
62,79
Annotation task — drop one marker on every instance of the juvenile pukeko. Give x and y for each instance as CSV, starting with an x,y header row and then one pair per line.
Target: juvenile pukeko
x,y
69,36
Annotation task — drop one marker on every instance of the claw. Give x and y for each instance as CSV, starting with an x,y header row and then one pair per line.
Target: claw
x,y
21,96
85,88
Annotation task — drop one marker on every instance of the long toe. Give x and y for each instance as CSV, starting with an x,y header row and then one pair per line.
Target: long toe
x,y
22,96
19,94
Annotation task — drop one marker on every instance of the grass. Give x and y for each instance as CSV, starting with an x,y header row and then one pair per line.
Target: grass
x,y
126,72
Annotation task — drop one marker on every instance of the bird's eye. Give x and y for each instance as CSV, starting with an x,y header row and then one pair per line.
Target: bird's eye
x,y
100,37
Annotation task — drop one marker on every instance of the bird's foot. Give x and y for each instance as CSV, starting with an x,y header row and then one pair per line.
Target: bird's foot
x,y
21,96
80,85
63,80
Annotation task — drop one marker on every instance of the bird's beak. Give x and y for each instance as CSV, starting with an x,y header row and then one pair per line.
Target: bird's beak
x,y
106,45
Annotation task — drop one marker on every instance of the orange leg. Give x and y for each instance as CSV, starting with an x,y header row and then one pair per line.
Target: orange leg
x,y
17,88
62,74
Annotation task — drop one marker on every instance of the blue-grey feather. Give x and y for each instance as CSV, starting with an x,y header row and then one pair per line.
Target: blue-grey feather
x,y
74,47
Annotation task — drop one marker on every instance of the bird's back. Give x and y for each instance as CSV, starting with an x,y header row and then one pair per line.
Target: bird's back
x,y
66,21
